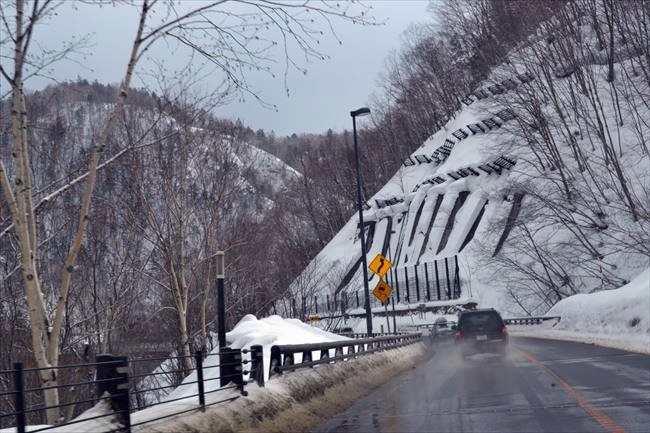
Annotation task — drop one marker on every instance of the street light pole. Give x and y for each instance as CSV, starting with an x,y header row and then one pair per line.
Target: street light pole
x,y
221,300
362,112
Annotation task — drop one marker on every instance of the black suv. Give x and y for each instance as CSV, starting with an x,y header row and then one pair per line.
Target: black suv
x,y
481,331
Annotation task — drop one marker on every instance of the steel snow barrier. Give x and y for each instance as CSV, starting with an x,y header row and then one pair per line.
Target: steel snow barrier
x,y
436,180
504,162
481,94
496,89
388,202
506,114
467,100
475,128
460,134
491,123
409,162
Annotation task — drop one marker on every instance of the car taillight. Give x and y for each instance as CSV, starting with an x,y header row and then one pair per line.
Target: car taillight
x,y
504,330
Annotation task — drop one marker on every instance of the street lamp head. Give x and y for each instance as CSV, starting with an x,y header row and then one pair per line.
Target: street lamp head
x,y
221,265
360,112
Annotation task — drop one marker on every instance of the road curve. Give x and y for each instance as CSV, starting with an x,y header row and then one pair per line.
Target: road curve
x,y
540,386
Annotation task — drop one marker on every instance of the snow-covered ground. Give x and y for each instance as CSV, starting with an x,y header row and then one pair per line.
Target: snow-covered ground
x,y
618,318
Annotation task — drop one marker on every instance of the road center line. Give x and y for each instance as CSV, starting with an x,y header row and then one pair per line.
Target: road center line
x,y
600,417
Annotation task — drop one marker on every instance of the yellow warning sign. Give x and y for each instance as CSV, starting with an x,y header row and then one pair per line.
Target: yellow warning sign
x,y
380,265
382,291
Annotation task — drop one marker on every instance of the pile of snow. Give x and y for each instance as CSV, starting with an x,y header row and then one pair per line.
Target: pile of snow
x,y
615,318
251,331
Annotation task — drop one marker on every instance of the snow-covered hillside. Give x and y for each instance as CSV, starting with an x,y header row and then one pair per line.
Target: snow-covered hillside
x,y
536,190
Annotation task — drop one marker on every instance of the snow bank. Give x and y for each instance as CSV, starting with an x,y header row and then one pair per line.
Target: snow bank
x,y
617,318
300,400
275,330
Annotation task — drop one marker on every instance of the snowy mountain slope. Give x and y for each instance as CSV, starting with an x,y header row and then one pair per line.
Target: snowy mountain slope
x,y
583,217
67,119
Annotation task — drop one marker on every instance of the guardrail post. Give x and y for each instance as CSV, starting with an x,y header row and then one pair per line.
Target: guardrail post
x,y
275,361
306,357
19,397
257,365
198,358
113,378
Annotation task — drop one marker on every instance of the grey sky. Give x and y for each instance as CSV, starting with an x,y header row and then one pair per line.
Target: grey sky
x,y
319,100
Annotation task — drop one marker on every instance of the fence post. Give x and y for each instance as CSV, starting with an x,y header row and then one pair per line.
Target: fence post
x,y
396,280
198,358
426,279
113,378
417,283
456,279
19,397
408,291
257,365
435,264
448,281
230,368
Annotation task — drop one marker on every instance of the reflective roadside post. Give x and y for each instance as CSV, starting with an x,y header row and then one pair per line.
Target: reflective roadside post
x,y
363,111
221,301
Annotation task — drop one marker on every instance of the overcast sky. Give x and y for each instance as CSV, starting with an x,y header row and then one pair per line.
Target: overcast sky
x,y
319,100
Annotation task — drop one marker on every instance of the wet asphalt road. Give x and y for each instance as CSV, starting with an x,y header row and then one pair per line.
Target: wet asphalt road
x,y
540,386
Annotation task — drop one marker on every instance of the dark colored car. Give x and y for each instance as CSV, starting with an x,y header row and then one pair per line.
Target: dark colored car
x,y
443,330
480,331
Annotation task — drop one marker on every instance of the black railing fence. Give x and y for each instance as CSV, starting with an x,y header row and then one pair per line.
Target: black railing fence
x,y
126,386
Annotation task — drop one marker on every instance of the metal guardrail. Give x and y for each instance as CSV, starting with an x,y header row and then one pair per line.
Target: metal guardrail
x,y
283,356
529,320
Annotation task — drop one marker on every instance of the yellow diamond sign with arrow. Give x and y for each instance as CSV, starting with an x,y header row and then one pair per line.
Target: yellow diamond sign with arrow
x,y
380,265
382,291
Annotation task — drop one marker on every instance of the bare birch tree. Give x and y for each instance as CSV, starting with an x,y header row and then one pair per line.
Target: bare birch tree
x,y
233,40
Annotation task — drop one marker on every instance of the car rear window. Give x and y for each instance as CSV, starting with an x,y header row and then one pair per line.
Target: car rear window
x,y
486,320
